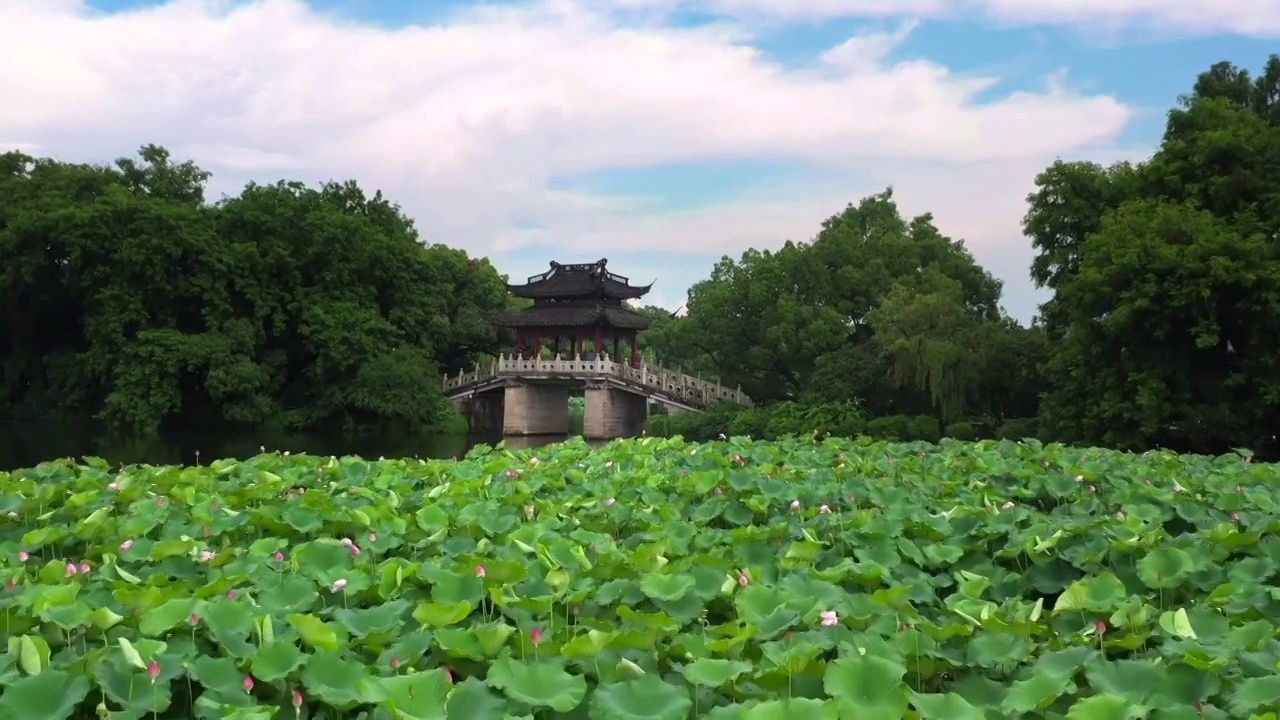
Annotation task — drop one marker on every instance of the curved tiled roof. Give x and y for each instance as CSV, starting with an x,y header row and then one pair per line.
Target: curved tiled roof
x,y
579,281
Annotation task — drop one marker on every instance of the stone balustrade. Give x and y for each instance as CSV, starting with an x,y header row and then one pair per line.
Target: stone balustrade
x,y
673,384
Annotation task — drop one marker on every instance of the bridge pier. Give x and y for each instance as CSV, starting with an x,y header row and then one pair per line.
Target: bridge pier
x,y
534,409
483,411
610,412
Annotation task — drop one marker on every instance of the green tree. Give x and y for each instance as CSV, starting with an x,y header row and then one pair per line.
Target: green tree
x,y
796,324
924,330
1166,307
126,296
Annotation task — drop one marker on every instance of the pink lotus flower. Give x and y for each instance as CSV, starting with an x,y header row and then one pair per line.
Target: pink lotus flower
x,y
279,555
795,505
1235,516
373,537
480,571
743,580
824,510
71,568
194,619
10,585
153,671
231,594
159,502
124,546
206,555
338,585
248,683
297,700
84,567
535,635
22,556
448,675
395,663
355,551
829,618
1093,489
1102,626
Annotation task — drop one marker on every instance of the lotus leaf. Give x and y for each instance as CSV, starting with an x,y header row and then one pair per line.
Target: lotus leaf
x,y
647,579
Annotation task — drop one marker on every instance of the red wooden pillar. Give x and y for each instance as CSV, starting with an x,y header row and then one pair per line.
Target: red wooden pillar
x,y
635,352
577,343
599,343
520,344
536,353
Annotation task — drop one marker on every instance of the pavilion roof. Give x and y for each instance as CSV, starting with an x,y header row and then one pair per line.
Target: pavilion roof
x,y
587,280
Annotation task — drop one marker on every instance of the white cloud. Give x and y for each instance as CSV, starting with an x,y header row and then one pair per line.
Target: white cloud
x,y
1245,17
466,123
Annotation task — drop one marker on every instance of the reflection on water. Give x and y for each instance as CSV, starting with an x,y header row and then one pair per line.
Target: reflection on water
x,y
524,442
29,445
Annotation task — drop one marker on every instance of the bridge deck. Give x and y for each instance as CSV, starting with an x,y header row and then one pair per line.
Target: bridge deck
x,y
649,380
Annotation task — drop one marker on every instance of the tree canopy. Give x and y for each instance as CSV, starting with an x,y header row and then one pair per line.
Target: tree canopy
x,y
125,295
1165,318
877,309
1163,327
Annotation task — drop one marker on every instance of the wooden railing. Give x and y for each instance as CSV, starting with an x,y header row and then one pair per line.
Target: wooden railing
x,y
674,384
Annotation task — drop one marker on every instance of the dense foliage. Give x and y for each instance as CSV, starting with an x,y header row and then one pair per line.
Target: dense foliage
x,y
1166,277
1163,327
647,580
126,296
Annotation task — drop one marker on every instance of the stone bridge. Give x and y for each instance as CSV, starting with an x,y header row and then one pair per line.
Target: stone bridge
x,y
531,396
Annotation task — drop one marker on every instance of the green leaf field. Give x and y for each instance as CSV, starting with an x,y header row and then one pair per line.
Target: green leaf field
x,y
647,579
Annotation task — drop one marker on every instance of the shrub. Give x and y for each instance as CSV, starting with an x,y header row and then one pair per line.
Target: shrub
x,y
1019,429
905,428
767,422
961,431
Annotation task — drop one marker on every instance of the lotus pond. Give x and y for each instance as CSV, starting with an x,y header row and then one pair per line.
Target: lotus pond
x,y
646,580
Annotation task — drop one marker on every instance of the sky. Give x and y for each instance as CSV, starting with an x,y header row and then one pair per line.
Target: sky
x,y
660,134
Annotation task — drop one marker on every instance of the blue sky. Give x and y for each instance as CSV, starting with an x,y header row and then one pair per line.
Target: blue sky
x,y
661,134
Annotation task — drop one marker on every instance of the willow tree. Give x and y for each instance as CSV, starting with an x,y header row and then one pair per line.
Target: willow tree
x,y
926,333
